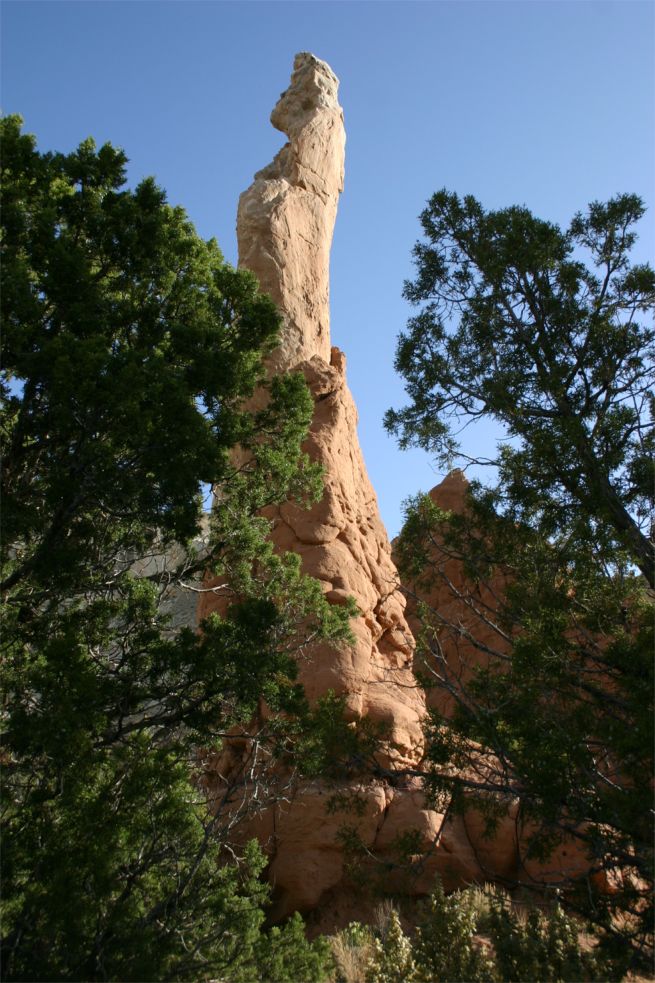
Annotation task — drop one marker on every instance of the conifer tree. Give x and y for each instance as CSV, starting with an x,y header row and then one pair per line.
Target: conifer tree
x,y
129,349
548,334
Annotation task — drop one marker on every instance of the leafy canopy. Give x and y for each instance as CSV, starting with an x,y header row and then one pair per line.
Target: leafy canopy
x,y
540,330
130,348
542,643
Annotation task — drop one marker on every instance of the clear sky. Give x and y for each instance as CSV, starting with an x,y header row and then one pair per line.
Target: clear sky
x,y
548,104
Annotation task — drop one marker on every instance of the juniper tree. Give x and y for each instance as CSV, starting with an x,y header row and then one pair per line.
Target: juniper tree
x,y
547,333
129,349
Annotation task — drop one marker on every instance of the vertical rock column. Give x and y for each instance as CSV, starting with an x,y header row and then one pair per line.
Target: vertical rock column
x,y
286,217
284,227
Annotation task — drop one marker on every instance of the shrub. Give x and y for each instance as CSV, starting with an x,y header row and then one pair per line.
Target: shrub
x,y
445,947
392,960
352,950
285,955
518,945
545,946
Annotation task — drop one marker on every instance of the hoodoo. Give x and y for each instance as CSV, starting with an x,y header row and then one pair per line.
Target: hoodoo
x,y
286,217
284,226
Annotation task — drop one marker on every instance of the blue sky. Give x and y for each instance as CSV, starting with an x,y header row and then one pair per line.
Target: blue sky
x,y
548,104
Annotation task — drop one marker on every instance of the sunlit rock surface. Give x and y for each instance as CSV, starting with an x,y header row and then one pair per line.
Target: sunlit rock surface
x,y
284,226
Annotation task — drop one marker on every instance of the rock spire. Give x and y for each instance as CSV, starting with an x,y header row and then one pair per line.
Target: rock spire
x,y
286,217
284,227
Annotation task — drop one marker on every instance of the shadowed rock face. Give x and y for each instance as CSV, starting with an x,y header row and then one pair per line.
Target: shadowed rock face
x,y
455,601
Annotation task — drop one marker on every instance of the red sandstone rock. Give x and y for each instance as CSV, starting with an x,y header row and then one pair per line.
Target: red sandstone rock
x,y
284,228
456,605
286,217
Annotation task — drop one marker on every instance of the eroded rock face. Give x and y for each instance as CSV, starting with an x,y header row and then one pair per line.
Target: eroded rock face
x,y
467,616
285,224
459,607
286,217
284,227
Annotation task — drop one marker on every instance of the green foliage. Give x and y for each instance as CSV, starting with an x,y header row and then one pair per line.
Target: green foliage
x,y
357,934
333,747
130,347
445,948
284,955
392,960
516,328
458,938
554,620
545,947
